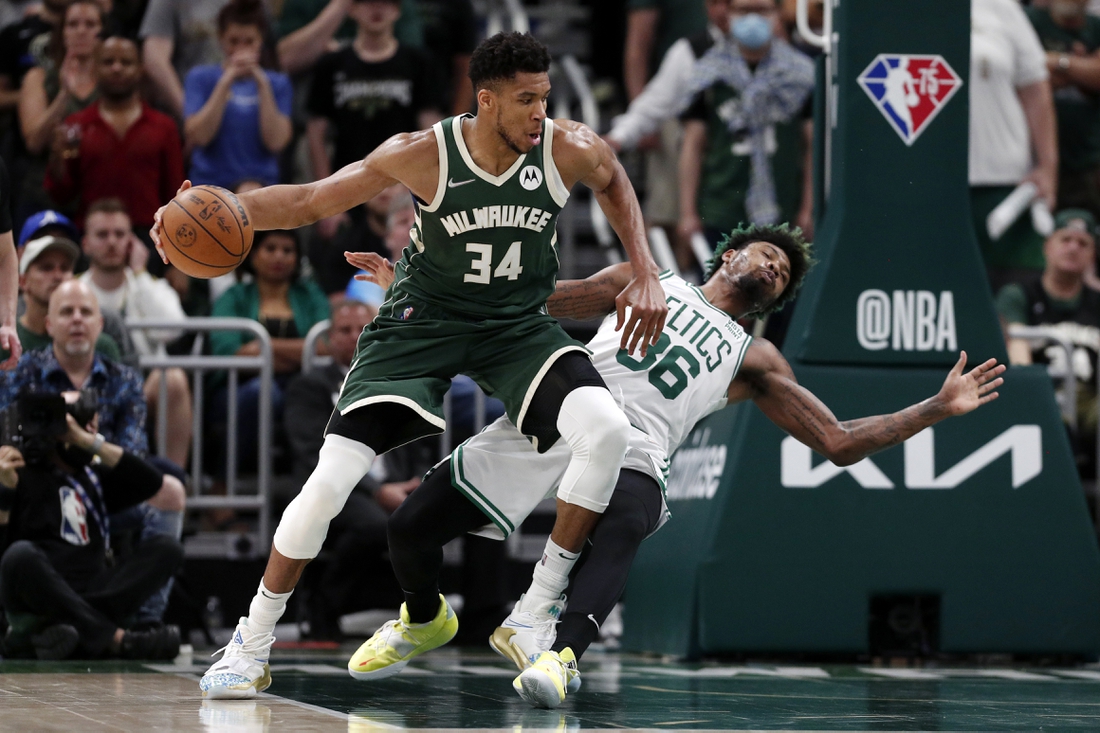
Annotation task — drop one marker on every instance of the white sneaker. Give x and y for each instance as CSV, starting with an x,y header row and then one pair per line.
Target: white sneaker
x,y
243,670
525,635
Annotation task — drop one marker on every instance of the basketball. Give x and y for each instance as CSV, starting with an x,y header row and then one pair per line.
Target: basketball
x,y
206,231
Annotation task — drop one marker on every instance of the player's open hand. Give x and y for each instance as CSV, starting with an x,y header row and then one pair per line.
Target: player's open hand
x,y
9,341
645,298
379,270
154,233
962,393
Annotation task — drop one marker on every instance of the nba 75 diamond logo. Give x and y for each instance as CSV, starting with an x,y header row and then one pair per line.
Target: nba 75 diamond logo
x,y
909,90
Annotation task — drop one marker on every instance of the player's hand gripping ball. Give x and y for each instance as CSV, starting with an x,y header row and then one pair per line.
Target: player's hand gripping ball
x,y
206,231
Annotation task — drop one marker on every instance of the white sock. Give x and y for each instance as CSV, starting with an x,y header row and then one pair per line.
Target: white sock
x,y
266,609
551,576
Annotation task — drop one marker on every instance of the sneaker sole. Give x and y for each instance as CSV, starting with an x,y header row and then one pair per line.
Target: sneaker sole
x,y
379,674
234,693
538,690
501,643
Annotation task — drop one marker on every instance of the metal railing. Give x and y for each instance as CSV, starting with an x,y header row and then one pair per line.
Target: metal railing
x,y
199,366
310,358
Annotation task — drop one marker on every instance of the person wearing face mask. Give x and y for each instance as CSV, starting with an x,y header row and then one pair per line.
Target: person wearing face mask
x,y
1071,39
746,130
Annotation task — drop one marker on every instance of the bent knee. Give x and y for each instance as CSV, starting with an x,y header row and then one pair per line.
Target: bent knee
x,y
19,557
610,432
171,497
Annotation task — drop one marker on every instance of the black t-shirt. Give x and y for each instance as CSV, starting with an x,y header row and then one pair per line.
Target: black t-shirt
x,y
450,29
370,102
51,513
5,199
19,50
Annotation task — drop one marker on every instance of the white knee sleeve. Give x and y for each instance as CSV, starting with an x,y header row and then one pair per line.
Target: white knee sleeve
x,y
340,465
597,431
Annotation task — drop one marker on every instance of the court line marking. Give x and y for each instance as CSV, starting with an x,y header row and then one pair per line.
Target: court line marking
x,y
296,703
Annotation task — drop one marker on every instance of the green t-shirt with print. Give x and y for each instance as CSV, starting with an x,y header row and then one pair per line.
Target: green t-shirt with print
x,y
1078,111
31,341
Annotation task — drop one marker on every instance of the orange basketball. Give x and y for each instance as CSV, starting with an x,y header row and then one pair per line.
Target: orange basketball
x,y
206,231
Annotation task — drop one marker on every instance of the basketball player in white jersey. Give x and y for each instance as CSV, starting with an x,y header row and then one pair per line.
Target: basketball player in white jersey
x,y
703,361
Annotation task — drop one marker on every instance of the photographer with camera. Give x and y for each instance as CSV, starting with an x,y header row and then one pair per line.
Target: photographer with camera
x,y
74,323
62,590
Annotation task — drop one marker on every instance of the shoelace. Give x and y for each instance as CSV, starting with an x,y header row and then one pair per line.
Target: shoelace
x,y
388,631
254,645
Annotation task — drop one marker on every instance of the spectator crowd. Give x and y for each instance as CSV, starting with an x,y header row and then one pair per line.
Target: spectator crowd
x,y
105,108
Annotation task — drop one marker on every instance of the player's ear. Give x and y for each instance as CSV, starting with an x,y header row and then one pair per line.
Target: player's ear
x,y
485,98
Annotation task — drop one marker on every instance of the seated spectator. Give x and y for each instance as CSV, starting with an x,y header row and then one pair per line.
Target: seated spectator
x,y
287,305
1071,38
117,276
1060,298
44,264
366,93
237,114
64,84
63,594
1011,122
746,132
177,36
310,28
126,150
366,232
69,365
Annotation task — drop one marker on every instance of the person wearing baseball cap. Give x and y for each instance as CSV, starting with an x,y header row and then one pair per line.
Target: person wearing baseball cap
x,y
45,263
47,222
1060,299
9,339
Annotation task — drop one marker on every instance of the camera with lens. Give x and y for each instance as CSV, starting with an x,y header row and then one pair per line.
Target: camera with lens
x,y
35,422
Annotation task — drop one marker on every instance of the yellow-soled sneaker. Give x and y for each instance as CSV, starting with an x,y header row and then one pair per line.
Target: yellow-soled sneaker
x,y
392,646
545,683
243,670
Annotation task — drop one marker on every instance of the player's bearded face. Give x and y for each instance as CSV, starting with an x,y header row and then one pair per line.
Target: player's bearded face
x,y
509,140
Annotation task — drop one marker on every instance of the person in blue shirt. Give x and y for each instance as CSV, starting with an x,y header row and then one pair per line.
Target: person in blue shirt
x,y
237,114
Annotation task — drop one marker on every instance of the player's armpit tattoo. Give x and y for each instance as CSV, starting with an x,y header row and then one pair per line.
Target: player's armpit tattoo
x,y
583,299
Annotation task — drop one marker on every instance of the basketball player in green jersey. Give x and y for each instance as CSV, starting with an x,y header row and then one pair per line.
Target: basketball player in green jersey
x,y
469,298
703,362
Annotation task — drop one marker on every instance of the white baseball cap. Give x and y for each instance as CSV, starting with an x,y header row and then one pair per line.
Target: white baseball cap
x,y
34,248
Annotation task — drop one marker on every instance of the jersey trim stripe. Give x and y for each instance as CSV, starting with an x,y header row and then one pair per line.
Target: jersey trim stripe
x,y
459,481
537,381
665,275
554,184
460,143
441,186
427,416
713,307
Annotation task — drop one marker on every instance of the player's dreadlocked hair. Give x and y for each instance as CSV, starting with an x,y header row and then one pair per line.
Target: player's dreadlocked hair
x,y
797,249
504,55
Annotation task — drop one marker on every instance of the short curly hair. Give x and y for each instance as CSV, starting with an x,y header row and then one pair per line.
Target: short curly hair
x,y
788,239
500,57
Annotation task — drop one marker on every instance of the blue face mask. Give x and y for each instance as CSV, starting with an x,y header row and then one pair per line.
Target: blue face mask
x,y
752,31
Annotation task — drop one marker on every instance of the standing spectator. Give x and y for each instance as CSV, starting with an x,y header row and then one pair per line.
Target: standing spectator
x,y
126,149
177,36
450,35
287,305
237,114
310,28
117,276
64,84
745,134
652,26
9,276
366,93
1011,118
1071,38
1060,298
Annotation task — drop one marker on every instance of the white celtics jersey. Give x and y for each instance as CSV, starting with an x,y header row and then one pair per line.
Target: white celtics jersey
x,y
684,376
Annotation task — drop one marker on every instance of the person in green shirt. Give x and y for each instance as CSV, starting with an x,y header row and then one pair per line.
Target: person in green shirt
x,y
1071,38
44,264
1060,300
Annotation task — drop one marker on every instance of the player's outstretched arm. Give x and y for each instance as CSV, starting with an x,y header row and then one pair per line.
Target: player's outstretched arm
x,y
767,379
593,297
581,155
408,158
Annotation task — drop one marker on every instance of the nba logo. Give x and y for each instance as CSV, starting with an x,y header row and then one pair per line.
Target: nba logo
x,y
408,312
909,90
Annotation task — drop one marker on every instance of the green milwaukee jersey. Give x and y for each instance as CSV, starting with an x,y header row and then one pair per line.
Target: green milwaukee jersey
x,y
485,246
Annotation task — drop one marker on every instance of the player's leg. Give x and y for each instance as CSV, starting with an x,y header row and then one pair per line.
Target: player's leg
x,y
351,443
430,517
572,397
634,512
